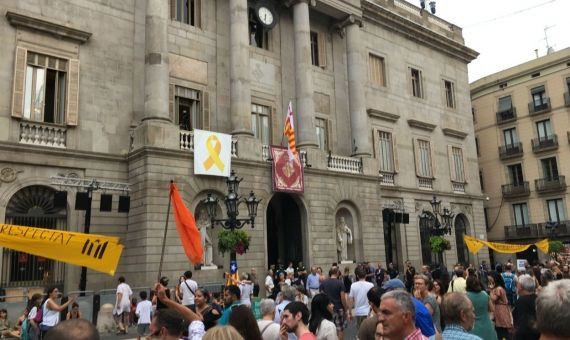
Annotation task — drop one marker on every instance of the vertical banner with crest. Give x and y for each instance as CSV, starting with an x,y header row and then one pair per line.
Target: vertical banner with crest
x,y
287,175
212,153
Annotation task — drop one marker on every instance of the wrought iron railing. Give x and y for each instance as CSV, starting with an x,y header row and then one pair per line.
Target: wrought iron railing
x,y
510,150
550,184
535,109
545,143
516,190
507,115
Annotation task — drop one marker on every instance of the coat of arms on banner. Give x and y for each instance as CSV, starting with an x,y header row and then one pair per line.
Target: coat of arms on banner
x,y
212,153
287,174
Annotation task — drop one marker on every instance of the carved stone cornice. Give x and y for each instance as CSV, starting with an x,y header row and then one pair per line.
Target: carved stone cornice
x,y
59,30
454,133
390,117
414,31
421,125
341,25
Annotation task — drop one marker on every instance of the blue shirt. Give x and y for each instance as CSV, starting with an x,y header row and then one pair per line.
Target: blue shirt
x,y
313,281
457,332
424,320
225,318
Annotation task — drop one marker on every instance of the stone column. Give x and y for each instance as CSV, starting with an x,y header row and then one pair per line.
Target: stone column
x,y
359,125
240,91
305,110
156,61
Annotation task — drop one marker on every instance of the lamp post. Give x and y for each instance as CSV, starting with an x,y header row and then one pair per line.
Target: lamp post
x,y
232,202
438,222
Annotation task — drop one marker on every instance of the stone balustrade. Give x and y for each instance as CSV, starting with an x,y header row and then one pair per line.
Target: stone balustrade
x,y
345,164
43,134
187,142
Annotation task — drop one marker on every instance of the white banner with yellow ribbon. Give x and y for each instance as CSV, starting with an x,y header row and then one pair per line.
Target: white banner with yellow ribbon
x,y
98,252
212,153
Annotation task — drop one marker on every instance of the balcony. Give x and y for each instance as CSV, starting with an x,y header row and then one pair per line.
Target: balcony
x,y
545,143
507,116
534,109
566,99
187,142
546,185
515,190
344,164
537,230
425,183
43,134
265,153
458,187
387,178
511,150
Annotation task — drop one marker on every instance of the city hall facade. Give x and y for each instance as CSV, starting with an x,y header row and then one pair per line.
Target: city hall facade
x,y
113,91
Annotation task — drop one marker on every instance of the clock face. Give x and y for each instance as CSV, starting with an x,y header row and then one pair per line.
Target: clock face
x,y
265,15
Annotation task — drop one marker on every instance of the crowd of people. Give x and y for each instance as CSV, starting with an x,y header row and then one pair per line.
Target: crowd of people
x,y
468,303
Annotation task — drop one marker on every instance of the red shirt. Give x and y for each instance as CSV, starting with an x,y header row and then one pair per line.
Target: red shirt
x,y
308,336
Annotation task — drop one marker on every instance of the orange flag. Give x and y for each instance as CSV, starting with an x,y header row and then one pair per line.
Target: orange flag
x,y
186,226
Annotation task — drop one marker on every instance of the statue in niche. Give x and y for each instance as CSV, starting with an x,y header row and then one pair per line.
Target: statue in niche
x,y
343,238
204,224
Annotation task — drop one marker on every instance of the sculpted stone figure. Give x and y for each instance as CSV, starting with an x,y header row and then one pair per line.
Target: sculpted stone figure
x,y
344,238
204,224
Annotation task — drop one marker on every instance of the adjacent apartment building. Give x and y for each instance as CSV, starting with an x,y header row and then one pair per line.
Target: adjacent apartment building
x,y
522,128
113,90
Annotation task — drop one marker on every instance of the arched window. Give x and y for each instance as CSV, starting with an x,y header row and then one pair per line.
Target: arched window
x,y
460,231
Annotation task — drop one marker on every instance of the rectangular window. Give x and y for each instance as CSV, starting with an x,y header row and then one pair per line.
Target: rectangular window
x,y
568,84
516,174
186,11
386,150
539,99
481,180
521,214
505,104
477,145
544,131
449,93
549,168
260,123
258,35
424,150
188,108
556,210
510,137
45,88
315,48
416,82
457,158
377,70
322,135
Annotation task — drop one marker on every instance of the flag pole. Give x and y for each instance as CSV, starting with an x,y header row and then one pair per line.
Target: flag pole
x,y
165,231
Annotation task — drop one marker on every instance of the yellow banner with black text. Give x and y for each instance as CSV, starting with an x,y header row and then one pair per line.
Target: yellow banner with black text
x,y
474,245
98,252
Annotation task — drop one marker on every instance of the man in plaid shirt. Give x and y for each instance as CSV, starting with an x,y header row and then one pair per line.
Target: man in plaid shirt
x,y
459,316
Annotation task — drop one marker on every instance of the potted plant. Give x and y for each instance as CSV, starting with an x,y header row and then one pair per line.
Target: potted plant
x,y
237,240
439,244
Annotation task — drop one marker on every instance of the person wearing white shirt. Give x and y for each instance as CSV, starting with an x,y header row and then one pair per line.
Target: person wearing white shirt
x,y
188,288
123,305
246,289
143,311
320,322
269,285
268,328
357,296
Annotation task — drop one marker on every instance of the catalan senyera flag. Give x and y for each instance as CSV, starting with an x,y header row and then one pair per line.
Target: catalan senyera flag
x,y
186,226
289,132
97,252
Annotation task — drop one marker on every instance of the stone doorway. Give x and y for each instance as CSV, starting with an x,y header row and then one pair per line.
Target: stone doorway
x,y
284,231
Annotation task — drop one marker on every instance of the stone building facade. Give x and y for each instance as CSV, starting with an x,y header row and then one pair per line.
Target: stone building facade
x,y
378,87
521,124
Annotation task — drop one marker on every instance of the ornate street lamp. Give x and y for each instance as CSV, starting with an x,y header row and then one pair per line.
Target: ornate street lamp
x,y
438,223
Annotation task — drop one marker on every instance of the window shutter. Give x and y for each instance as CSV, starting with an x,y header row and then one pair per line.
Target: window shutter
x,y
205,110
73,93
330,138
433,163
172,103
375,146
198,13
464,165
417,155
173,9
19,80
395,153
451,163
321,38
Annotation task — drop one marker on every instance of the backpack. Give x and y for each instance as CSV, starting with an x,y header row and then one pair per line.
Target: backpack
x,y
509,279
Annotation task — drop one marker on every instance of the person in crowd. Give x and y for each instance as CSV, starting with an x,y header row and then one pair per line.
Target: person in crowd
x,y
483,306
552,312
320,322
223,333
178,289
321,275
367,329
6,331
438,291
122,308
357,296
133,318
196,328
269,285
209,314
74,329
459,317
378,331
501,309
33,327
268,328
546,276
348,279
295,318
143,311
288,295
524,312
458,283
392,271
166,324
74,313
301,295
410,273
380,275
565,271
155,301
51,310
510,284
253,279
421,283
425,270
246,290
290,269
334,289
244,322
313,282
397,315
232,297
188,288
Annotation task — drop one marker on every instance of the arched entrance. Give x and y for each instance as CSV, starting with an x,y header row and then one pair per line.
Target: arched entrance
x,y
428,257
392,238
461,224
284,230
33,207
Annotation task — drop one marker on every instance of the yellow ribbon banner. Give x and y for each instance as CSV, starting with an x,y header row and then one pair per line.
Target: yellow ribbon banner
x,y
214,153
100,253
474,245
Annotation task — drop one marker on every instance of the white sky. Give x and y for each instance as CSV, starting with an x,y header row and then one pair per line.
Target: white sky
x,y
506,32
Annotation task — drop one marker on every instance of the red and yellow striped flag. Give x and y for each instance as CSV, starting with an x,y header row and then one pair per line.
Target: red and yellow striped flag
x,y
289,131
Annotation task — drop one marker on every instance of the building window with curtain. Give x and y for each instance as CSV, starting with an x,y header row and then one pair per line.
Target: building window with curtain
x,y
424,159
260,123
516,174
416,82
457,159
186,11
188,108
386,151
322,135
449,93
556,210
505,104
376,70
539,99
510,137
520,211
549,168
544,130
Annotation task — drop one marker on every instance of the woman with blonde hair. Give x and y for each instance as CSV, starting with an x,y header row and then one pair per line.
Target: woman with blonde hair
x,y
222,333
